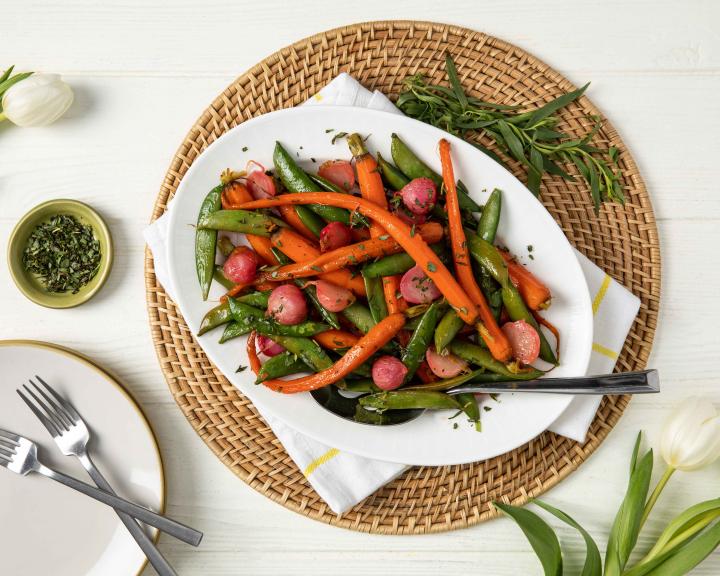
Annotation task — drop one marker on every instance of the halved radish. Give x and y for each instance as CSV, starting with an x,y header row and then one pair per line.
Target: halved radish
x,y
417,288
287,304
524,339
339,172
444,366
388,373
268,346
419,195
241,265
333,297
335,235
261,185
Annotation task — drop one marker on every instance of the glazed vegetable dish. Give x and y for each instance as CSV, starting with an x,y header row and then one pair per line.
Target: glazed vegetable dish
x,y
379,279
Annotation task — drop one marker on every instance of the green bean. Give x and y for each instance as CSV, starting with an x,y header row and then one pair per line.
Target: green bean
x,y
325,184
479,356
307,350
245,221
375,298
206,240
215,317
395,179
219,277
256,319
395,263
469,405
490,217
283,364
295,180
406,400
447,329
421,338
410,165
447,383
359,316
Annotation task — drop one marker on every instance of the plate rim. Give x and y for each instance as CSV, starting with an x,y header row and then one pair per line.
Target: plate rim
x,y
87,361
170,248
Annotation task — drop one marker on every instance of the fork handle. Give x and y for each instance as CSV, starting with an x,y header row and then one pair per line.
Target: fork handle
x,y
143,514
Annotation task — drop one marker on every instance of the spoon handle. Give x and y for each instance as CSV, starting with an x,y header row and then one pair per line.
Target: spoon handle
x,y
645,382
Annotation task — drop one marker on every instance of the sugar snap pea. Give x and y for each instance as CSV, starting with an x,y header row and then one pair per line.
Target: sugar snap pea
x,y
295,180
325,184
254,317
312,221
395,263
216,317
206,240
448,383
395,179
359,316
220,278
469,405
406,400
447,329
246,221
375,297
421,338
490,217
307,350
480,357
364,385
283,364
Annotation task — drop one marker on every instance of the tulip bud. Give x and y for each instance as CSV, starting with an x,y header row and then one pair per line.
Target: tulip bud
x,y
37,100
691,435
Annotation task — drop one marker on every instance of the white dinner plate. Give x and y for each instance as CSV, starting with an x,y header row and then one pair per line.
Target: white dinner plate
x,y
432,439
47,528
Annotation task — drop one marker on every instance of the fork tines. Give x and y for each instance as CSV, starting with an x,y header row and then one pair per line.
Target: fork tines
x,y
56,414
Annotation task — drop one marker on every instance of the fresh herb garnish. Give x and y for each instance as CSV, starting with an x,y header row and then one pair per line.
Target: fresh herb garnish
x,y
338,136
240,368
245,148
64,254
529,136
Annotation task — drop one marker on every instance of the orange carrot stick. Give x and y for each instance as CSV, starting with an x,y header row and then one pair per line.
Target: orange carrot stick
x,y
290,216
255,363
300,249
536,295
336,339
496,341
369,344
263,248
415,246
369,179
391,287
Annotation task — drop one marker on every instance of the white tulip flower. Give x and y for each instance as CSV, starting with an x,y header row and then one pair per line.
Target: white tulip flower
x,y
37,100
691,436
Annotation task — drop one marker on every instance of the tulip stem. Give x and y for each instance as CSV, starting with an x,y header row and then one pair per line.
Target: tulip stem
x,y
2,117
656,494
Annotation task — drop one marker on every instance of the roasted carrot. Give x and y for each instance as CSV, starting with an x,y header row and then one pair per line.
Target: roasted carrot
x,y
492,335
290,216
336,339
351,255
300,249
255,364
391,288
369,178
536,295
369,344
263,248
415,246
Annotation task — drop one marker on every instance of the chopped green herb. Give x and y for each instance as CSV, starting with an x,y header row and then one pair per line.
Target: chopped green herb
x,y
245,148
455,426
316,268
530,248
432,267
328,130
338,136
487,408
384,237
240,368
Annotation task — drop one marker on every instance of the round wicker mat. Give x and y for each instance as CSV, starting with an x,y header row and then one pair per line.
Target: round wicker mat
x,y
622,240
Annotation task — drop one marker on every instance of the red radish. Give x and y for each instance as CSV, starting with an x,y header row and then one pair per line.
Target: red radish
x,y
339,172
524,339
335,235
241,265
417,288
419,195
447,366
333,297
287,305
260,185
408,217
388,373
267,346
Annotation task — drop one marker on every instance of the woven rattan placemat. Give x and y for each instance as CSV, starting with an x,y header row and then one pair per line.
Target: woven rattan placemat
x,y
622,240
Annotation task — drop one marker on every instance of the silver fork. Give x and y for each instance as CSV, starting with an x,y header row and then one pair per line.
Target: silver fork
x,y
72,436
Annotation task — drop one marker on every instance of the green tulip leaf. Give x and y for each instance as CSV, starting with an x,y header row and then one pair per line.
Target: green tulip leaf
x,y
541,537
626,526
593,561
691,554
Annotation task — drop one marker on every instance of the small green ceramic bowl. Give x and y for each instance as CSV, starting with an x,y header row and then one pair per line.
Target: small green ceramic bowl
x,y
31,286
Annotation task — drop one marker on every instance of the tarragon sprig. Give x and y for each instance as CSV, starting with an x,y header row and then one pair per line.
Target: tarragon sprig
x,y
529,136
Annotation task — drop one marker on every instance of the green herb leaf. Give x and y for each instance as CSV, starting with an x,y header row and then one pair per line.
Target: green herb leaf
x,y
593,561
552,107
541,537
455,81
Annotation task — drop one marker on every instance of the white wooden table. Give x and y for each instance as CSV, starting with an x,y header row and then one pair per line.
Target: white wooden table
x,y
143,70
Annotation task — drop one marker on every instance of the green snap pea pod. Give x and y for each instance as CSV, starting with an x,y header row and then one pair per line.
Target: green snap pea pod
x,y
448,383
410,165
310,291
235,329
283,364
469,405
325,184
313,222
256,299
359,316
412,323
206,240
379,418
216,317
489,258
421,338
225,246
307,350
395,179
375,298
410,399
219,277
245,221
395,263
295,180
256,319
480,357
364,385
447,329
490,217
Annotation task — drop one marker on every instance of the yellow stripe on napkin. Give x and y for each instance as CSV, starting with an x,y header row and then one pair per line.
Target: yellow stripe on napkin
x,y
320,460
600,349
601,294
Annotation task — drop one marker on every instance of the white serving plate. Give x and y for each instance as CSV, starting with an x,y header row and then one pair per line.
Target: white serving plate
x,y
48,528
431,439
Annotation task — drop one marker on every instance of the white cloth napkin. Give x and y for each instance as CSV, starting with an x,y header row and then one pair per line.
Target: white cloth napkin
x,y
343,479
